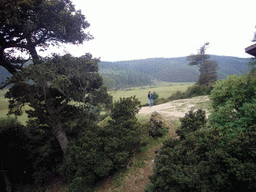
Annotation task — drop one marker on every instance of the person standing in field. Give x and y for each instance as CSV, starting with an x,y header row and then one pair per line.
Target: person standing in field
x,y
150,97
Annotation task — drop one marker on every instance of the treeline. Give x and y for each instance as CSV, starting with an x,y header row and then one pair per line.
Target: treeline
x,y
169,69
123,74
123,80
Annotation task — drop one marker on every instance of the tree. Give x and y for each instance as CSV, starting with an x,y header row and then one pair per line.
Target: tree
x,y
54,84
207,68
25,27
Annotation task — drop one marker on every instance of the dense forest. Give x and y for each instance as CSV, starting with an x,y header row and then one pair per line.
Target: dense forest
x,y
141,72
121,74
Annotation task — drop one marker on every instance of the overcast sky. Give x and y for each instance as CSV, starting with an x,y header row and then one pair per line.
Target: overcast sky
x,y
139,29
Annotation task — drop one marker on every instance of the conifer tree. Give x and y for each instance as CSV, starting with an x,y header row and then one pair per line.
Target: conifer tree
x,y
207,68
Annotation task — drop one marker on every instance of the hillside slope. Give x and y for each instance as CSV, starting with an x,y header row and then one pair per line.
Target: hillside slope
x,y
121,74
176,69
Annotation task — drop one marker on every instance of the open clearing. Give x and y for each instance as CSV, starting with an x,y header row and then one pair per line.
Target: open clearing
x,y
178,108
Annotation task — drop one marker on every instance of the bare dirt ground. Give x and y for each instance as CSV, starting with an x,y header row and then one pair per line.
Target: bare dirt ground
x,y
178,108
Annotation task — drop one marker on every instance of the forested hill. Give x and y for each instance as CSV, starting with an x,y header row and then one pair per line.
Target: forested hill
x,y
173,69
141,72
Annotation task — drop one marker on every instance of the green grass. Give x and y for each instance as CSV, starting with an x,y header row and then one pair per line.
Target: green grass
x,y
163,89
3,104
4,108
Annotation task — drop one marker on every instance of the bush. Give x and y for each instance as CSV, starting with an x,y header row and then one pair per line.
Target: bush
x,y
220,158
155,95
122,134
234,103
99,151
191,122
85,160
193,91
206,161
45,151
125,108
157,128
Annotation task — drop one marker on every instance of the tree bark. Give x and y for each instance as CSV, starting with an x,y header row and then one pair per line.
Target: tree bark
x,y
52,121
61,136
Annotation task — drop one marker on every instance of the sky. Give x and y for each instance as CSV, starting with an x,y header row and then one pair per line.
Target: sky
x,y
140,29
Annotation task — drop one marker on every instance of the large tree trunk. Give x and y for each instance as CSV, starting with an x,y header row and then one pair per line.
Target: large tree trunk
x,y
60,136
55,125
53,120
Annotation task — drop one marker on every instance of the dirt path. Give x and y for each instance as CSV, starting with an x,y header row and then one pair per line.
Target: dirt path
x,y
136,177
178,108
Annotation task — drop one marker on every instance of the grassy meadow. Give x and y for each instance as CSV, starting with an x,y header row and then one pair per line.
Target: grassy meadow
x,y
3,104
163,89
4,108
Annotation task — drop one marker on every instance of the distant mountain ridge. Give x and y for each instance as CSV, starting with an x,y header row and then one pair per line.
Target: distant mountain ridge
x,y
141,72
176,69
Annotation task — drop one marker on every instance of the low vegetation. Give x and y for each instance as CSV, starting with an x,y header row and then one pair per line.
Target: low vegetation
x,y
214,156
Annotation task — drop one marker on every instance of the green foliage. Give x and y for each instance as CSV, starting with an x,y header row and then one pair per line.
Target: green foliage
x,y
95,152
54,84
171,70
155,95
125,108
157,128
203,163
85,158
217,158
41,23
193,91
252,65
191,122
122,133
121,139
234,103
46,153
208,68
114,78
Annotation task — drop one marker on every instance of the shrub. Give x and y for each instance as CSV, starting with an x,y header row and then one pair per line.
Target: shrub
x,y
193,91
206,161
157,128
45,151
177,95
125,108
122,134
220,158
234,103
155,95
121,139
191,122
85,160
98,151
